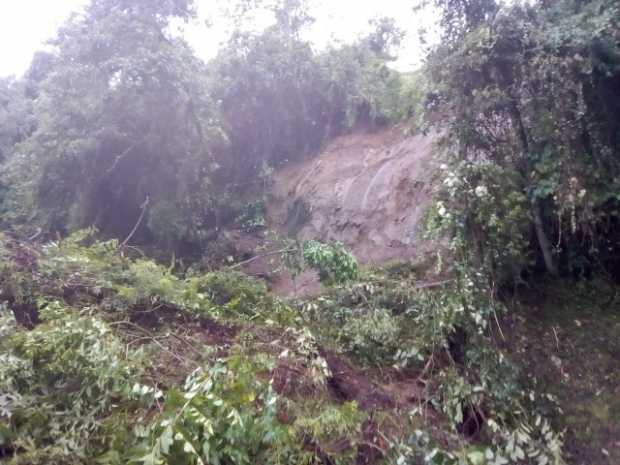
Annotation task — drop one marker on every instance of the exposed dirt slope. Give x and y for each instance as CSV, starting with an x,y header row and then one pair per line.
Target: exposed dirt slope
x,y
368,191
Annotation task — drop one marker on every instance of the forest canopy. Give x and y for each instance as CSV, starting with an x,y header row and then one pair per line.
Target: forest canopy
x,y
121,110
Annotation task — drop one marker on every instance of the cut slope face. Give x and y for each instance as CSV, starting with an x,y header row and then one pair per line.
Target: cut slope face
x,y
368,191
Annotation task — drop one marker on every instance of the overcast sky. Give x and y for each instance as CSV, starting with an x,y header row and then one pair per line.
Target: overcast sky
x,y
26,24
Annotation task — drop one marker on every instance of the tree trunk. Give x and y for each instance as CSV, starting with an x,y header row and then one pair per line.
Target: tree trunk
x,y
543,240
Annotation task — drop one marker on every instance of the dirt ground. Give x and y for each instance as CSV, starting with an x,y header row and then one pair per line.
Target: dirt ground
x,y
366,190
569,341
369,191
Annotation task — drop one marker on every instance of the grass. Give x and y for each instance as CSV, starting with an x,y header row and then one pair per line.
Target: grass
x,y
569,339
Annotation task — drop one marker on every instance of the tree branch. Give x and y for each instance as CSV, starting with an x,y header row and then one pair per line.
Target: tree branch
x,y
267,254
123,154
144,206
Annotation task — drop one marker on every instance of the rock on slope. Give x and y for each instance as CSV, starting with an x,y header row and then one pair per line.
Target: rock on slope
x,y
367,190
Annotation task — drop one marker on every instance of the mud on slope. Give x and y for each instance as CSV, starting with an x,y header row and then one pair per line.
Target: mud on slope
x,y
367,190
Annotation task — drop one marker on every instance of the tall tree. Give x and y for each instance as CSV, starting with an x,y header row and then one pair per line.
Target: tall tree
x,y
523,93
124,114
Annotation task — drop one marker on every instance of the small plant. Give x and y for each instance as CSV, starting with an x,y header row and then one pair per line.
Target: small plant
x,y
372,336
333,262
305,349
227,293
147,282
329,430
252,216
225,414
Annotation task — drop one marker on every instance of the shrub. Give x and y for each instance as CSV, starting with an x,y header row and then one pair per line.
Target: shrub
x,y
225,414
328,429
229,292
166,222
372,335
147,282
333,262
58,381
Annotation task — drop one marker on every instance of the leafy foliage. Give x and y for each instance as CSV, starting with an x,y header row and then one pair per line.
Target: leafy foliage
x,y
333,262
57,381
15,115
252,216
225,415
132,124
528,99
479,386
146,125
532,176
229,409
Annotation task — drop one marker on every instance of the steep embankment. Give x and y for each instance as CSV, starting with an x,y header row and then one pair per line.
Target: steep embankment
x,y
366,190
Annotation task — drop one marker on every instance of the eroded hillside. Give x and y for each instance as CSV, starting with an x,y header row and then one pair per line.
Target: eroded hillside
x,y
366,190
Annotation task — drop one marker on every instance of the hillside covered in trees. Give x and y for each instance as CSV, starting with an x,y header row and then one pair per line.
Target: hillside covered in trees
x,y
294,255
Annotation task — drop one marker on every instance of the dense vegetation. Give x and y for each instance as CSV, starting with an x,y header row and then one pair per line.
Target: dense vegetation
x,y
122,112
530,96
120,136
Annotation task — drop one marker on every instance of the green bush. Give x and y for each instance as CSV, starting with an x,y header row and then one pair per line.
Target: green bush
x,y
333,262
166,222
57,383
147,282
371,335
225,414
231,293
327,426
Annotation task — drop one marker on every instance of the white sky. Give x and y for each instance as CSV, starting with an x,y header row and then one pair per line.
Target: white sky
x,y
26,24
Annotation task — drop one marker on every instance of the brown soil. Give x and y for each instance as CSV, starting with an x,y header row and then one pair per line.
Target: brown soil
x,y
369,191
347,384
